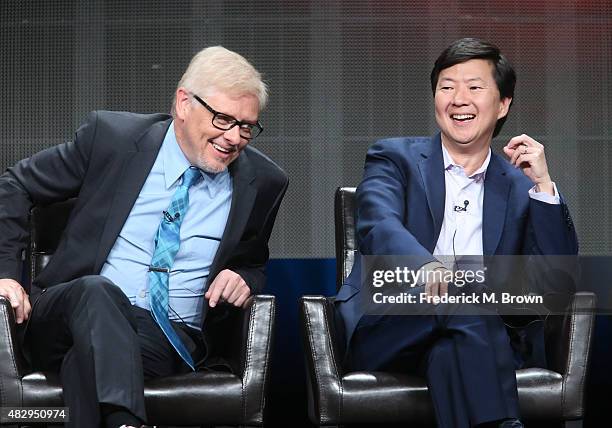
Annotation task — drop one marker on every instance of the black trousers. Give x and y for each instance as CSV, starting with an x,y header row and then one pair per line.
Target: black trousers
x,y
102,346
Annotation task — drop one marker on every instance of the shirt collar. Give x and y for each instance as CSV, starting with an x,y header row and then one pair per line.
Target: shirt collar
x,y
478,175
215,183
175,164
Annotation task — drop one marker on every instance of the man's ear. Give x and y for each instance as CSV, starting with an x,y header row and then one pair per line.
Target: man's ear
x,y
182,103
504,106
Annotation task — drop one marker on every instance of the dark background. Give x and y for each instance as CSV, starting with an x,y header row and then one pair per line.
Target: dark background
x,y
342,73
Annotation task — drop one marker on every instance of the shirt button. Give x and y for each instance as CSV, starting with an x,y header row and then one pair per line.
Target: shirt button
x,y
143,294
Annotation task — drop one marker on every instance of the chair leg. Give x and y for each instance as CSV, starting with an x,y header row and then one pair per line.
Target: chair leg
x,y
573,424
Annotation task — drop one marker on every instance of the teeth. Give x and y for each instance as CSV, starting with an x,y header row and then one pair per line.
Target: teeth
x,y
221,149
463,116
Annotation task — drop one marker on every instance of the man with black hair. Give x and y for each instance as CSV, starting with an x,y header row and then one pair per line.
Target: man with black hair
x,y
451,196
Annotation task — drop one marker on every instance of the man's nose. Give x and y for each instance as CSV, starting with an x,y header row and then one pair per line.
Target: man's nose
x,y
461,96
233,135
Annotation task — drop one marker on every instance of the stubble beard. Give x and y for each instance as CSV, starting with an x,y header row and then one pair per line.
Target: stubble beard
x,y
206,166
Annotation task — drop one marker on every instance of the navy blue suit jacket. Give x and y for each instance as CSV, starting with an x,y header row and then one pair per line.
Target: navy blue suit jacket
x,y
400,209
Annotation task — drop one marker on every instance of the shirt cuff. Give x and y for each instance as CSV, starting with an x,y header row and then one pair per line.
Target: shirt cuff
x,y
545,197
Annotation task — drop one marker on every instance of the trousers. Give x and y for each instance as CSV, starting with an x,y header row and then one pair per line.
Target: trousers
x,y
102,346
466,359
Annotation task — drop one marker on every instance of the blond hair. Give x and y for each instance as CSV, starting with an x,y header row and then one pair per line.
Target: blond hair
x,y
218,69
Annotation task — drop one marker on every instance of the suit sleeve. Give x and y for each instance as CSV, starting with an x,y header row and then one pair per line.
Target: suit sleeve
x,y
551,230
552,246
52,175
381,207
254,271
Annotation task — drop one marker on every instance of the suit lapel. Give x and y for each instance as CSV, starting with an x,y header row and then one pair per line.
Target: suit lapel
x,y
432,174
244,192
497,189
136,168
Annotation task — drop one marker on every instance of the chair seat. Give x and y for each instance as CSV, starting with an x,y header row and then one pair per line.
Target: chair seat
x,y
203,397
42,389
378,397
540,393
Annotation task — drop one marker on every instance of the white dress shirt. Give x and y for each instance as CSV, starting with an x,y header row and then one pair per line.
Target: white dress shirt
x,y
461,232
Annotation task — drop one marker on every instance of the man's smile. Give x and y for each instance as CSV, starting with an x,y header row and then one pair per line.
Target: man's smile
x,y
224,150
465,117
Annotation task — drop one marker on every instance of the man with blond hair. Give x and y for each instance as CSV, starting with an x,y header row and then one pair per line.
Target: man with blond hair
x,y
173,215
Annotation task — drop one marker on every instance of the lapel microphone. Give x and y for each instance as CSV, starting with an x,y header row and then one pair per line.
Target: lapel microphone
x,y
169,217
459,208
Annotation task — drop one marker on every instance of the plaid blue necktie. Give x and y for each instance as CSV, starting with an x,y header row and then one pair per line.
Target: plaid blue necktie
x,y
167,244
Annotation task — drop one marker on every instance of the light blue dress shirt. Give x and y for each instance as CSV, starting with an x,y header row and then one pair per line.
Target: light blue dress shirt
x,y
201,231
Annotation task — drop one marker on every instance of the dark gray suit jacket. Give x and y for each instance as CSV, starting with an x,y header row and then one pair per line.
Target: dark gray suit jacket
x,y
105,168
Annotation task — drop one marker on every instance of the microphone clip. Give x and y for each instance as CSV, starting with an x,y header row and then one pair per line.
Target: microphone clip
x,y
459,208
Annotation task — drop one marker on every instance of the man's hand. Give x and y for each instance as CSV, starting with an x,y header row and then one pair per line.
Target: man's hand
x,y
19,299
228,286
528,154
436,285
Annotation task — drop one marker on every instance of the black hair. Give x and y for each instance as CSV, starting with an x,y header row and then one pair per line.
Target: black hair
x,y
463,50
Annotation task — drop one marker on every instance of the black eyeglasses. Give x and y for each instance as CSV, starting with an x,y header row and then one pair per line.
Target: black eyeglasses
x,y
225,122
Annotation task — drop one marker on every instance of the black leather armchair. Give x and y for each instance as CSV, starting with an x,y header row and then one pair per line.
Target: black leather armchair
x,y
336,397
201,398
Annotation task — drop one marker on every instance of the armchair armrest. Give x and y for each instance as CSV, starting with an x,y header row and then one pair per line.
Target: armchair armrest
x,y
323,359
569,347
251,344
12,364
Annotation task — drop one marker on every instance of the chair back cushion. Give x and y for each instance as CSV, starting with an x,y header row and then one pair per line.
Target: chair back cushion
x,y
346,237
47,224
